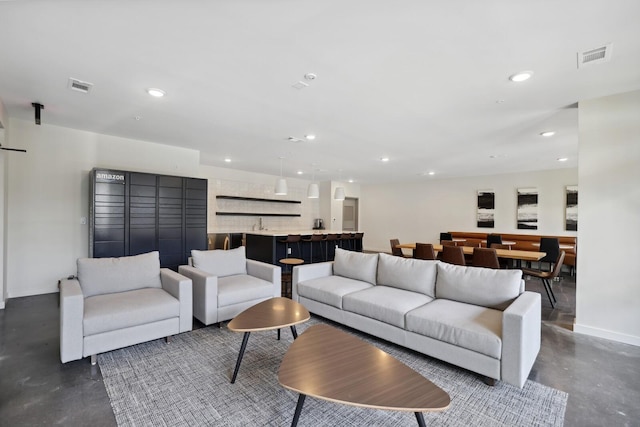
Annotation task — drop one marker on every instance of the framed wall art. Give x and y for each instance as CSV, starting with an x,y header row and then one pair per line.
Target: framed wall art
x,y
527,209
571,208
486,209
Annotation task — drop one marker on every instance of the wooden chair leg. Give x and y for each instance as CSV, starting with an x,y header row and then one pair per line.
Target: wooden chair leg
x,y
489,381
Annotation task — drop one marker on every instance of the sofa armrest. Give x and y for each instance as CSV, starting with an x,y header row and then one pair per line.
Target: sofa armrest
x,y
205,294
181,288
520,338
71,318
269,272
302,273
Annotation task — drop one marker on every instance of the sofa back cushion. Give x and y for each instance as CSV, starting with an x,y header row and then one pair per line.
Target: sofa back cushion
x,y
486,287
99,276
415,275
221,263
355,265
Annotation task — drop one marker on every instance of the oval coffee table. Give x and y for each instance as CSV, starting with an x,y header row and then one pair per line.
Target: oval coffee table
x,y
274,313
332,365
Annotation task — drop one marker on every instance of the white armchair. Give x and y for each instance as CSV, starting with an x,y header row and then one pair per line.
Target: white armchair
x,y
225,283
118,302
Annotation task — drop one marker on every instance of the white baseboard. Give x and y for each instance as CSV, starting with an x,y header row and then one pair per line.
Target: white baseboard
x,y
603,333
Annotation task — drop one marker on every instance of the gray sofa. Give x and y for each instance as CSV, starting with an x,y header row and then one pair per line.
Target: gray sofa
x,y
225,283
477,318
118,302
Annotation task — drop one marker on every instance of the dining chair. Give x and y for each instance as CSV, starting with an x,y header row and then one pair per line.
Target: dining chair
x,y
547,277
448,243
396,251
493,238
504,262
318,239
424,251
453,255
345,240
485,257
332,239
551,246
292,238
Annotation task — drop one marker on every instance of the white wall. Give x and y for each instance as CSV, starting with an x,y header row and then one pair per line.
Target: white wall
x,y
48,193
232,182
3,170
608,298
419,211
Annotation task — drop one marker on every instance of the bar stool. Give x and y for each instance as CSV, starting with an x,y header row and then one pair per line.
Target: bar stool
x,y
286,274
330,239
315,238
357,242
291,238
345,238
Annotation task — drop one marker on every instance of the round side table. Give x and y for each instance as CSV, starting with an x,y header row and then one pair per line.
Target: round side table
x,y
286,274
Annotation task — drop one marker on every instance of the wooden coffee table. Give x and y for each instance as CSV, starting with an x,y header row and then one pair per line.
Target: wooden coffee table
x,y
329,364
274,313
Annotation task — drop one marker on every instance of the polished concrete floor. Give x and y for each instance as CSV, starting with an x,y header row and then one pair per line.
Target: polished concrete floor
x,y
602,377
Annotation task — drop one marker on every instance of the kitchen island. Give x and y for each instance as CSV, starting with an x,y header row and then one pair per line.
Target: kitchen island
x,y
266,245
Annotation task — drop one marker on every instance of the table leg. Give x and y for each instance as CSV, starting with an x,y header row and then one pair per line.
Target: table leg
x,y
245,339
294,332
296,415
420,419
278,334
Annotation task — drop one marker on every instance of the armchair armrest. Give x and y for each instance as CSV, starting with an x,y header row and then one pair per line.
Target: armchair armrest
x,y
181,288
71,318
520,338
205,294
269,272
308,272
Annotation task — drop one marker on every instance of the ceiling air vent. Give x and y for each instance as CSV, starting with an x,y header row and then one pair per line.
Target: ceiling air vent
x,y
79,85
594,56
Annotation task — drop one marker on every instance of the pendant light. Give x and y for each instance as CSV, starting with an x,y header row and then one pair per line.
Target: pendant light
x,y
313,191
281,183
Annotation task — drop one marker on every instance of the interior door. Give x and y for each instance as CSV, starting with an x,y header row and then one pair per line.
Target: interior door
x,y
350,214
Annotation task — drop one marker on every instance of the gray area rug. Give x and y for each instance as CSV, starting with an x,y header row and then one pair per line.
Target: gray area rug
x,y
186,383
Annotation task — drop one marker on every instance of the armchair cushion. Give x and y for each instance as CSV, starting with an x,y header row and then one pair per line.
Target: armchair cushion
x,y
108,312
221,263
242,288
99,276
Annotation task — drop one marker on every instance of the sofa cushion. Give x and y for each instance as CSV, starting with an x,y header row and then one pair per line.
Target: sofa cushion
x,y
356,265
384,303
99,276
113,311
330,289
242,288
415,275
487,287
221,263
464,325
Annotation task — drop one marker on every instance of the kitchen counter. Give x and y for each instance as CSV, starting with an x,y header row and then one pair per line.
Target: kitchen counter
x,y
266,245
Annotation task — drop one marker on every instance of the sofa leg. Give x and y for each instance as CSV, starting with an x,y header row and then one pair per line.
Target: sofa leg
x,y
94,359
489,381
167,339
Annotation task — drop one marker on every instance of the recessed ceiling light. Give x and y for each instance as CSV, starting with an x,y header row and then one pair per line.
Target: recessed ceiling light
x,y
384,159
521,76
310,137
227,160
351,181
300,172
158,93
562,159
548,133
432,173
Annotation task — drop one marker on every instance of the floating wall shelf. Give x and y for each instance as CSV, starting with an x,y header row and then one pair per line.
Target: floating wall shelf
x,y
254,214
254,199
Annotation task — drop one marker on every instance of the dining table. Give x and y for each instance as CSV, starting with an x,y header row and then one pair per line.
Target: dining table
x,y
502,253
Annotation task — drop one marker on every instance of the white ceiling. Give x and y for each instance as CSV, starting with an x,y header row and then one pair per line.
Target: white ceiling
x,y
423,83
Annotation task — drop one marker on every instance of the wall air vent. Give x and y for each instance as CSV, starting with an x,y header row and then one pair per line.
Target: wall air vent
x,y
79,85
594,56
